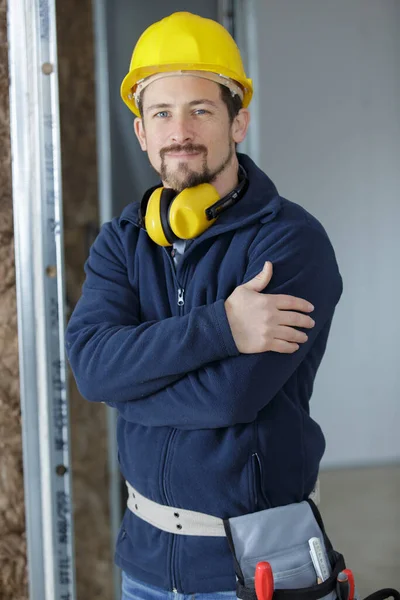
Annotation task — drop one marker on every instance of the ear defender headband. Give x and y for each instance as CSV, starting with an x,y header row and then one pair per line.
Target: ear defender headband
x,y
169,216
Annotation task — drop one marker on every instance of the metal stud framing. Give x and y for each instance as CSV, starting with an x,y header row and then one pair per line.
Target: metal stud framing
x,y
36,173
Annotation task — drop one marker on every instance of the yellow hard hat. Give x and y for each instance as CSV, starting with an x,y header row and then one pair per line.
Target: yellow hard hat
x,y
185,42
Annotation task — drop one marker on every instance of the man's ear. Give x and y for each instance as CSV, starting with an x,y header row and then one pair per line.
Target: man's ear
x,y
140,133
240,125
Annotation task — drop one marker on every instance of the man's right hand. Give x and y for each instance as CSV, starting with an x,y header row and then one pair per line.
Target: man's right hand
x,y
266,322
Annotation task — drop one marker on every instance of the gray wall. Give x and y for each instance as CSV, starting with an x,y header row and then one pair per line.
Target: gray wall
x,y
327,125
127,19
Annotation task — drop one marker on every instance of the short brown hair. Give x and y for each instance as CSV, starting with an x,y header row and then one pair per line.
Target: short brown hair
x,y
233,103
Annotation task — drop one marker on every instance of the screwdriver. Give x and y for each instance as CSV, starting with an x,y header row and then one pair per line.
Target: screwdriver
x,y
345,585
264,581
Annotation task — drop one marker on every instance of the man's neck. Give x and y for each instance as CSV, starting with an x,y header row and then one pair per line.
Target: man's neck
x,y
228,179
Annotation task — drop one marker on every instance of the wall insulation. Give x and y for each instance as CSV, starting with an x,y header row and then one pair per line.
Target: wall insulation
x,y
88,421
79,176
13,578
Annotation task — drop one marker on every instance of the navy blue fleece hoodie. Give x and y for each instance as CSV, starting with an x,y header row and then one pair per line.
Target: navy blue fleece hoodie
x,y
201,426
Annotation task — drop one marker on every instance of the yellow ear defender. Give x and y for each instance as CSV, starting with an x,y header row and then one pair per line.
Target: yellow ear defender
x,y
168,216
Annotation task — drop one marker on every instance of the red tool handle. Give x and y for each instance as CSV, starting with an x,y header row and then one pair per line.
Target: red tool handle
x,y
350,578
264,581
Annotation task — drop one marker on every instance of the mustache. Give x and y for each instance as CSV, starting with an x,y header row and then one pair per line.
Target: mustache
x,y
189,148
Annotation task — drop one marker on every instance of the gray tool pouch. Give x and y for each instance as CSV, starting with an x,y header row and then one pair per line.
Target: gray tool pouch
x,y
280,536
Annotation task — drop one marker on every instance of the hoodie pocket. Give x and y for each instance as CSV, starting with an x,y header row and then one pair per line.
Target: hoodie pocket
x,y
261,499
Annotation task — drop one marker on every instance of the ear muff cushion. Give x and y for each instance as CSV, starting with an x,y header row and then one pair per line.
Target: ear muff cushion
x,y
153,220
167,196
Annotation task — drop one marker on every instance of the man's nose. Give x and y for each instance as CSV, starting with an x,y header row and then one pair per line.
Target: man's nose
x,y
181,131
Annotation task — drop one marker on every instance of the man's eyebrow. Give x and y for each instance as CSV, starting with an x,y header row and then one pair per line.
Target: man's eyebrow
x,y
154,106
192,103
203,101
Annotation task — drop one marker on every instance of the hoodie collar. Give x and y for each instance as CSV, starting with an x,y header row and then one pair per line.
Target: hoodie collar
x,y
261,202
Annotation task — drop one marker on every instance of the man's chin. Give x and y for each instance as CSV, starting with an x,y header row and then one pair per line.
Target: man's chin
x,y
180,181
179,185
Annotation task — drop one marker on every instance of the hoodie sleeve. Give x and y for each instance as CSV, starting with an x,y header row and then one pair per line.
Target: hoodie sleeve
x,y
115,357
233,390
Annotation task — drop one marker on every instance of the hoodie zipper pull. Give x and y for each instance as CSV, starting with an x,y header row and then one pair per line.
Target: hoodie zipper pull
x,y
181,300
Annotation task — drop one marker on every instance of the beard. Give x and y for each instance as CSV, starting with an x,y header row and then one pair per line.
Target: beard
x,y
183,176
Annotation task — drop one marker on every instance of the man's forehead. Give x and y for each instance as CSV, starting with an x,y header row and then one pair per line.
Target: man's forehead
x,y
182,89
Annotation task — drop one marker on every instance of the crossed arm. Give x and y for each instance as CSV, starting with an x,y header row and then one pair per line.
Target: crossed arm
x,y
196,371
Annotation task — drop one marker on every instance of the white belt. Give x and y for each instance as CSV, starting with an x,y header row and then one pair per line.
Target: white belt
x,y
179,520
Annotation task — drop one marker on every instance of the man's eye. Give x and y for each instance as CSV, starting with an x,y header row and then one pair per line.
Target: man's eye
x,y
162,114
201,111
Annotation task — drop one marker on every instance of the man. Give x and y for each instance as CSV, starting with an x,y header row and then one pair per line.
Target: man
x,y
203,342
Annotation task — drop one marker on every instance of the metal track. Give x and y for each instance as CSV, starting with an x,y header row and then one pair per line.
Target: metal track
x,y
36,172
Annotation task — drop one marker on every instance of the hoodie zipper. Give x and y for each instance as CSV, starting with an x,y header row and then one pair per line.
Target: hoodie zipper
x,y
181,304
180,289
181,297
258,491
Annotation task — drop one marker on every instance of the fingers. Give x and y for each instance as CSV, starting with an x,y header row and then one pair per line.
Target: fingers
x,y
288,334
286,302
284,347
294,319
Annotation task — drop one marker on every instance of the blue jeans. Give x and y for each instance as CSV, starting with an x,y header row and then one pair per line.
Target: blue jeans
x,y
135,590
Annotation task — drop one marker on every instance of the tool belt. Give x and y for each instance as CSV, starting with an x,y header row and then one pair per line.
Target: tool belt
x,y
181,521
276,536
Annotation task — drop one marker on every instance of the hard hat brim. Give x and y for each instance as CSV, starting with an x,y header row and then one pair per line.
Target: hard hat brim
x,y
133,77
